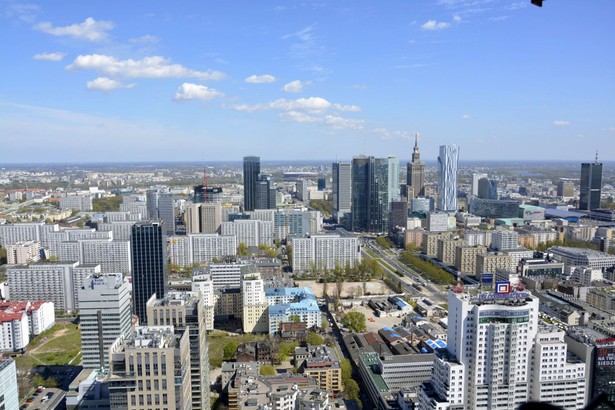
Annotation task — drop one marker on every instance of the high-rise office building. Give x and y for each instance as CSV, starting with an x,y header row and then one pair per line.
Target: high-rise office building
x,y
475,178
487,188
265,193
185,310
151,200
105,315
149,265
166,212
9,397
341,192
393,179
591,185
565,188
416,172
369,206
150,369
447,171
251,170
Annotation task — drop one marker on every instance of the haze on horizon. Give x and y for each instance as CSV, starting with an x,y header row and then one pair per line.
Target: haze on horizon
x,y
120,82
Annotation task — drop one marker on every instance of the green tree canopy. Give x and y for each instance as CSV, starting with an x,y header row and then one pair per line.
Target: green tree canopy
x,y
267,370
315,339
229,350
355,321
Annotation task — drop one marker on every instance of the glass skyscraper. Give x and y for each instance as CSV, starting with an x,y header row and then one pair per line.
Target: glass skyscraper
x,y
447,171
370,194
591,185
251,170
149,265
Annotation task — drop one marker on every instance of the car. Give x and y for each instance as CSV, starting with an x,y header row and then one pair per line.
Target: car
x,y
50,394
30,400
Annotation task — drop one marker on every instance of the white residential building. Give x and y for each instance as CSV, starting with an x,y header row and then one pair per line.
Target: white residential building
x,y
113,256
121,229
437,222
447,388
56,282
250,232
202,283
504,239
556,376
255,319
81,203
8,385
324,252
14,331
23,252
105,314
582,257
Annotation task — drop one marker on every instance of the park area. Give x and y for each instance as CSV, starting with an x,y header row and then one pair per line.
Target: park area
x,y
57,346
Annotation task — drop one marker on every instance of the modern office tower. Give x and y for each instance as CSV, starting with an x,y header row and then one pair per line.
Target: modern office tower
x,y
322,184
250,232
301,189
9,399
491,336
53,281
393,179
399,214
255,319
504,239
369,206
192,218
447,171
166,212
150,369
251,170
475,180
565,188
199,194
422,205
487,188
556,376
152,204
105,314
184,311
211,217
324,252
341,189
265,193
591,185
416,172
149,265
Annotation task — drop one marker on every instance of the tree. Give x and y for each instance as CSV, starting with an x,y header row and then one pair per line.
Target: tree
x,y
229,350
295,318
267,370
355,321
242,249
314,339
351,389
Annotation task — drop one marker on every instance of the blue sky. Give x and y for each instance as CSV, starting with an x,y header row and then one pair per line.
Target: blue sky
x,y
159,80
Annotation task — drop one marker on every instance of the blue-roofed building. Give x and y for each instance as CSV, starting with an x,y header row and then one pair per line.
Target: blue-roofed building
x,y
570,216
287,302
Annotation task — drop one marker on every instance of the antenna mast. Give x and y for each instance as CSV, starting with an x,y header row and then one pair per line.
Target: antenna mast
x,y
204,180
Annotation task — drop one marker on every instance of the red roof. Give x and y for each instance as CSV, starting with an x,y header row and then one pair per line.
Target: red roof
x,y
9,317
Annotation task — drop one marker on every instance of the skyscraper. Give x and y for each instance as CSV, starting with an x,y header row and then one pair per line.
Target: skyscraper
x,y
151,200
166,212
416,172
265,193
475,178
341,189
487,188
104,312
251,170
591,185
370,207
393,179
149,265
447,171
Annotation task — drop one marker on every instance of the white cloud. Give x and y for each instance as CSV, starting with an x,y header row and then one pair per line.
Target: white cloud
x,y
296,116
189,91
295,86
388,134
560,123
49,56
518,5
260,79
466,117
106,84
25,12
90,29
457,18
338,122
306,45
147,67
144,39
434,25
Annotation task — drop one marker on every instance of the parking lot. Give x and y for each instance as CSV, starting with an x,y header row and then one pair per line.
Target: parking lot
x,y
46,399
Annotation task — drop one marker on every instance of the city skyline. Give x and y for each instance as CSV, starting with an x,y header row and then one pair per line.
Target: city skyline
x,y
501,79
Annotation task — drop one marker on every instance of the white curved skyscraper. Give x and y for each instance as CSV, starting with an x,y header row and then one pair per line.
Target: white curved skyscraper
x,y
447,171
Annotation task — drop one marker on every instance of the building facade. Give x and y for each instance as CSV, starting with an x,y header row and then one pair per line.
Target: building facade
x,y
447,173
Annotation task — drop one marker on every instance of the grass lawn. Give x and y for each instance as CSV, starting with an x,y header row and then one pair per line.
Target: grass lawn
x,y
218,339
57,346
